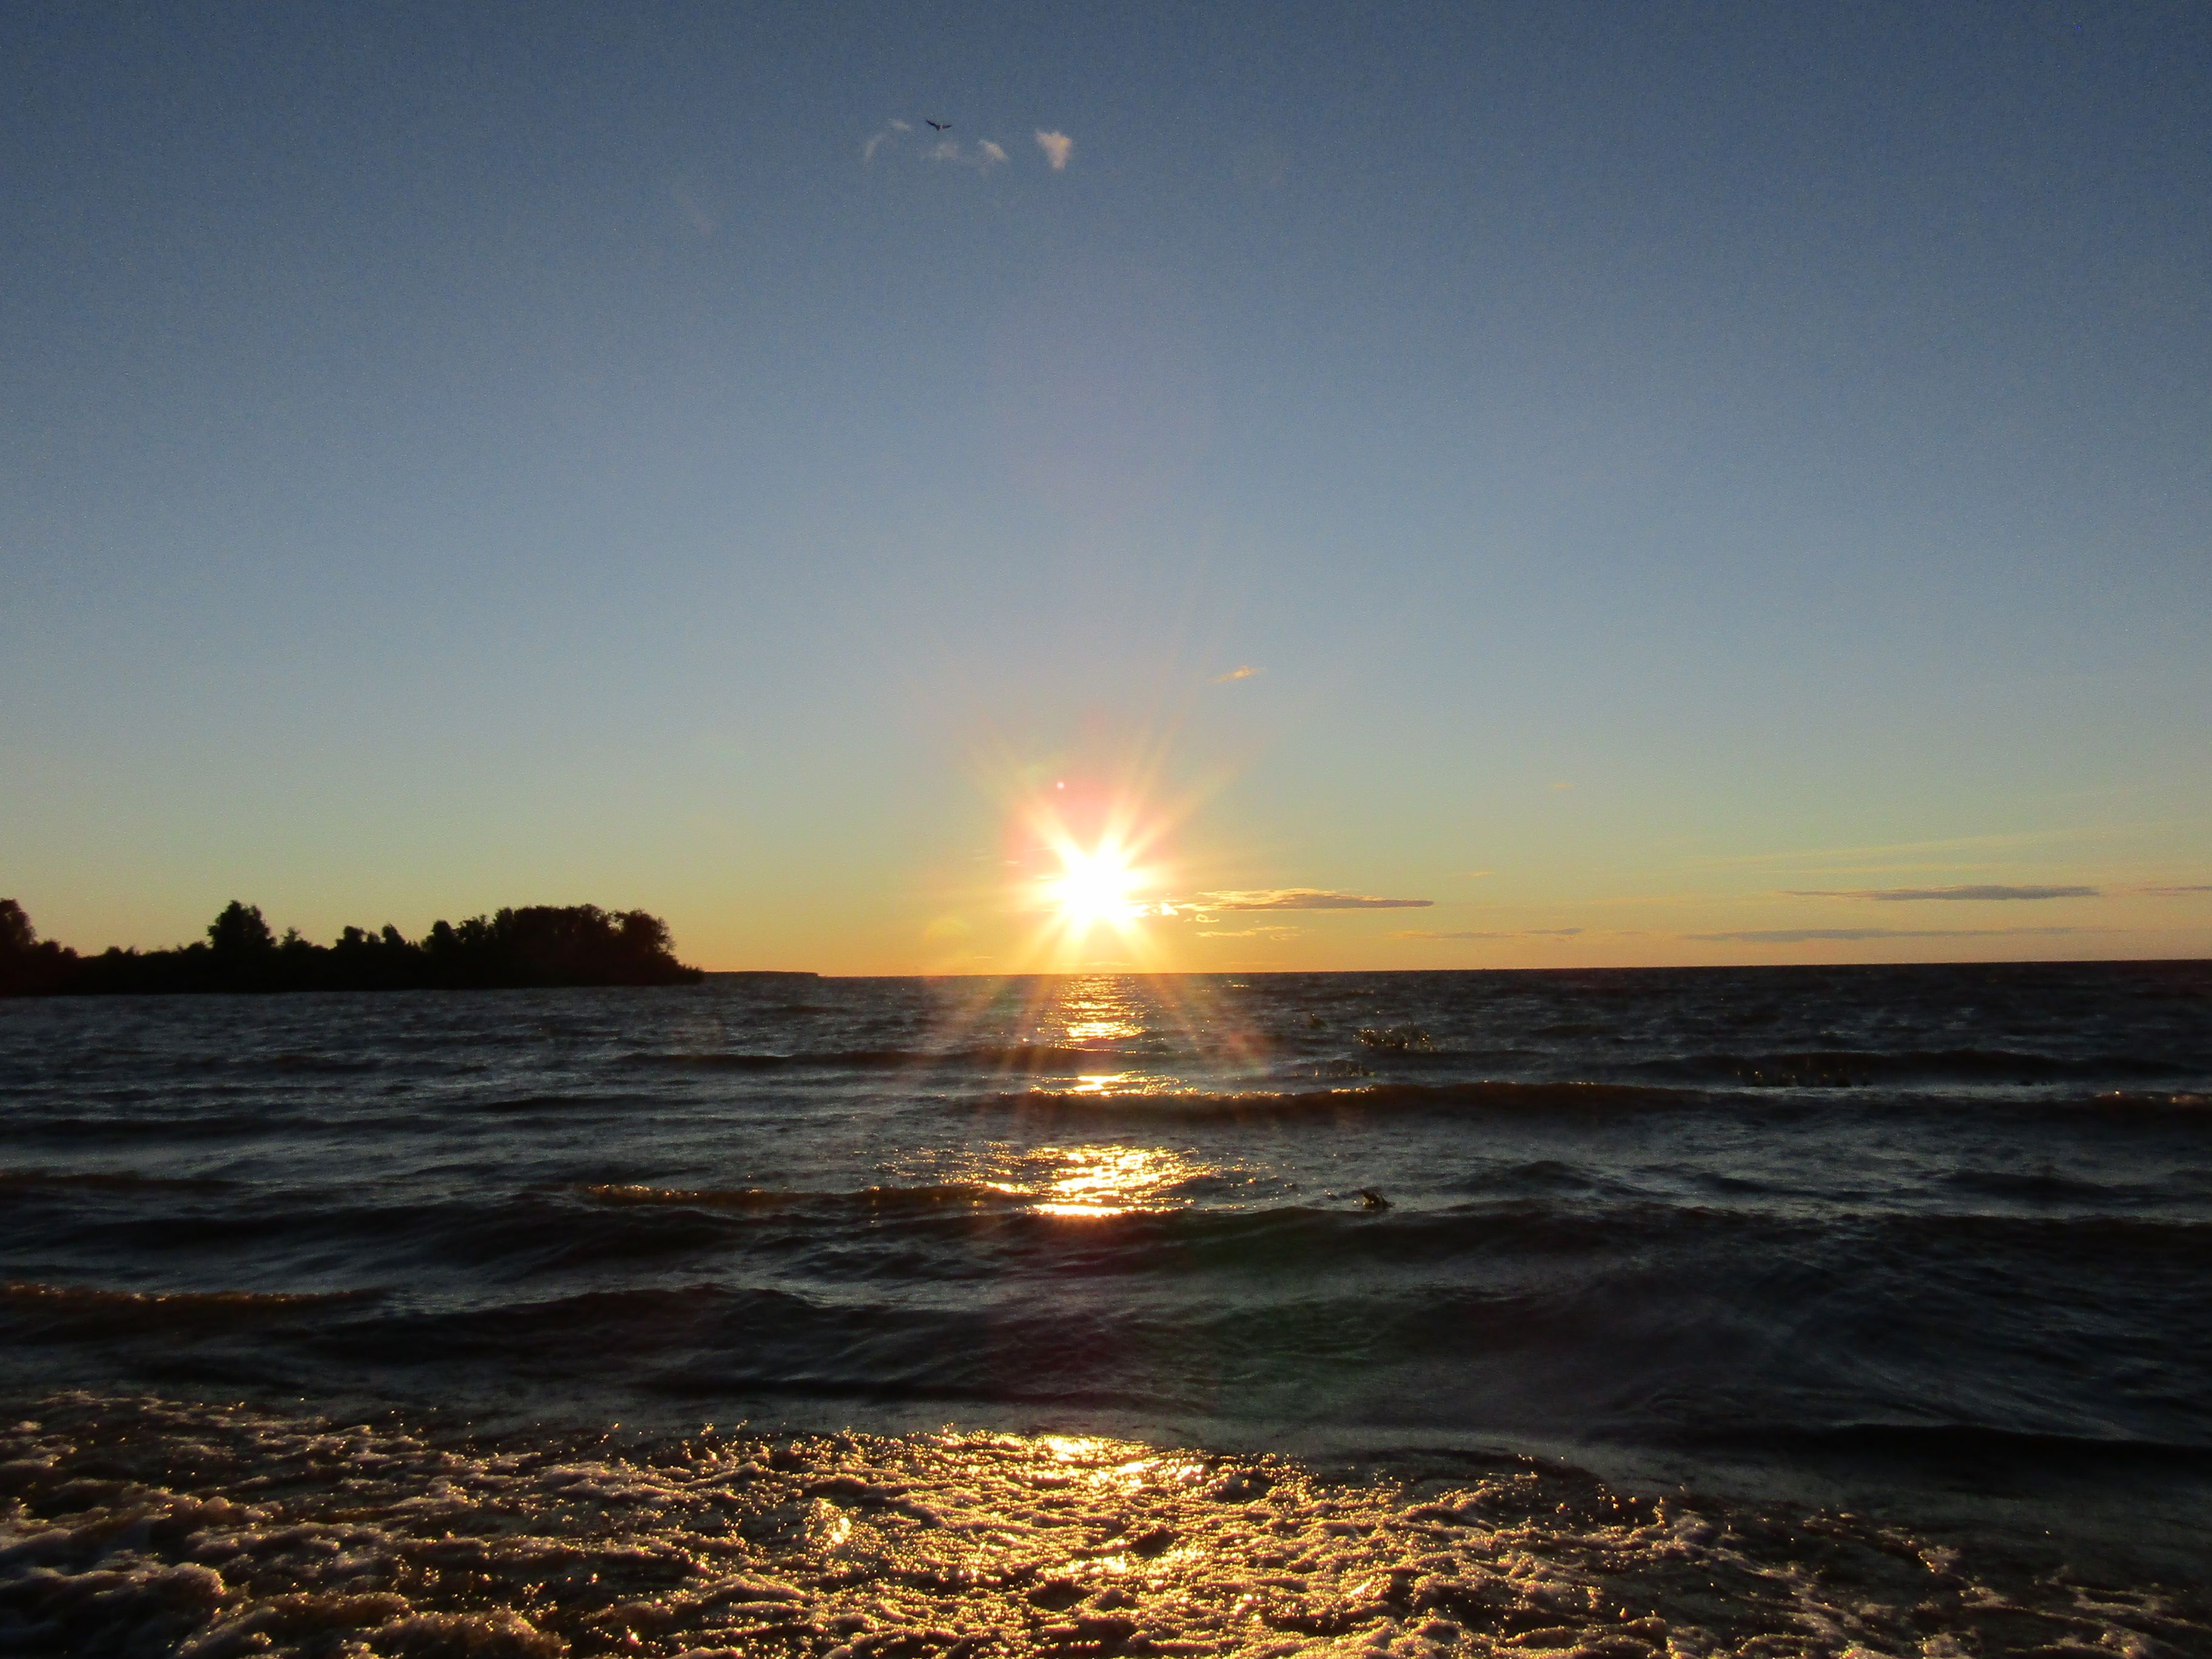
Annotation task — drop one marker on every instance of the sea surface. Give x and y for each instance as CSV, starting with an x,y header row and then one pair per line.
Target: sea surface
x,y
1762,1312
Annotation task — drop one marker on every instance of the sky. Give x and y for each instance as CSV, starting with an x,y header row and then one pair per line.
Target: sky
x,y
1448,487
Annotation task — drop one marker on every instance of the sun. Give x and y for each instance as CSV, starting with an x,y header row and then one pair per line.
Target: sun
x,y
1093,874
1095,886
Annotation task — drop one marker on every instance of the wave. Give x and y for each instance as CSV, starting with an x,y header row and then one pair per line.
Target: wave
x,y
1503,1095
120,1180
2125,1100
1849,1068
211,1126
31,1309
1968,1442
1490,1094
580,1103
958,1231
2047,1186
1012,1057
954,1195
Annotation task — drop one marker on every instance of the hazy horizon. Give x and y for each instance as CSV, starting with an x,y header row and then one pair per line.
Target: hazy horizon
x,y
1444,488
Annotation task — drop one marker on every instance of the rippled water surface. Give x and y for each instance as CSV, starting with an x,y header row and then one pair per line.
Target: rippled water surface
x,y
1929,1245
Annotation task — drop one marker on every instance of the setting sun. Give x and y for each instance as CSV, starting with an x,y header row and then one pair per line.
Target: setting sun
x,y
1096,886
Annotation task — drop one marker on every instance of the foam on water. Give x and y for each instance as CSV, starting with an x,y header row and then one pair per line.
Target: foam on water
x,y
138,1526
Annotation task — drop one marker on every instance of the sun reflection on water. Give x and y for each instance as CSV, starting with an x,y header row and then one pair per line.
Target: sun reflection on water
x,y
1106,1181
1095,1010
1098,1179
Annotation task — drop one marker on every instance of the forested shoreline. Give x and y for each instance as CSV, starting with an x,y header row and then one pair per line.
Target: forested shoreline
x,y
538,944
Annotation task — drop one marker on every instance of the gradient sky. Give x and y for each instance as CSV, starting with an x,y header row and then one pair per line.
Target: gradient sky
x,y
1695,483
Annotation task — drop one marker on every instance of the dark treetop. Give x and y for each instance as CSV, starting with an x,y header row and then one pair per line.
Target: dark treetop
x,y
537,945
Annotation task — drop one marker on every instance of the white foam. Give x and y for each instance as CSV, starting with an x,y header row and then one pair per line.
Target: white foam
x,y
136,1526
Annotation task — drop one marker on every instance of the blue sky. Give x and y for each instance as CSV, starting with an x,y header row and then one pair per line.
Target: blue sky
x,y
1672,460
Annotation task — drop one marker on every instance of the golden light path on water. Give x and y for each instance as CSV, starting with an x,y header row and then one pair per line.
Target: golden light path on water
x,y
1108,1181
234,1530
1079,1180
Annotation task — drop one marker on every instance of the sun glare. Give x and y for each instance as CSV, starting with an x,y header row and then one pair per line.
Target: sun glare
x,y
1096,886
1093,876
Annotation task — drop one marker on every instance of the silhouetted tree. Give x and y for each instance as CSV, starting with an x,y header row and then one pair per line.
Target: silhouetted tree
x,y
28,965
240,931
536,945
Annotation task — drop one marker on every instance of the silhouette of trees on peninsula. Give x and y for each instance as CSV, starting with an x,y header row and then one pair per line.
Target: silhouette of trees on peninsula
x,y
538,944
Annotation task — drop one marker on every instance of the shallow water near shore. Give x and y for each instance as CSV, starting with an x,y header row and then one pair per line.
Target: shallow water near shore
x,y
1773,1311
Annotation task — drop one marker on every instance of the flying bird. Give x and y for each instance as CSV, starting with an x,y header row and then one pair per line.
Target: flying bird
x,y
941,126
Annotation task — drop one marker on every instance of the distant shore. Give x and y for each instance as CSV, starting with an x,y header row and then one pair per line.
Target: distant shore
x,y
535,946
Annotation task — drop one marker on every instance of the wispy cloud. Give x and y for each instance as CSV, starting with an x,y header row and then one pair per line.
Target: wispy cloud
x,y
2177,892
1560,785
1523,932
1988,891
1243,670
890,131
1248,932
982,155
1816,857
1057,147
1807,935
1306,898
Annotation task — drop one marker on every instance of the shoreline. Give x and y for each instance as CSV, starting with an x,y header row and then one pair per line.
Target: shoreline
x,y
402,1530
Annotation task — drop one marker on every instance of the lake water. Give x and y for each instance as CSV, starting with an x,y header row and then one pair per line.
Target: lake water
x,y
1769,1311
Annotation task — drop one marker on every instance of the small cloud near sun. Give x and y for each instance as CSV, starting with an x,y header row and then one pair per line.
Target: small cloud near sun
x,y
1825,935
1243,670
1306,898
1522,932
1057,147
1907,895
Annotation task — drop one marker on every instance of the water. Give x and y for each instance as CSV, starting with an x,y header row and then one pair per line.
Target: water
x,y
1388,1278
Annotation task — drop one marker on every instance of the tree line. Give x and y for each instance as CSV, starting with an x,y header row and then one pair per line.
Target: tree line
x,y
537,945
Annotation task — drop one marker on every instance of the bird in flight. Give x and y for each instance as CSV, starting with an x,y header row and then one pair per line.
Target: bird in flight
x,y
941,126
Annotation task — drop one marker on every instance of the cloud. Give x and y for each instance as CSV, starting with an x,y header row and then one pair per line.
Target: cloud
x,y
985,156
1243,670
1893,894
1524,933
2177,892
1807,935
890,129
1559,786
1810,857
1248,932
1306,898
1057,147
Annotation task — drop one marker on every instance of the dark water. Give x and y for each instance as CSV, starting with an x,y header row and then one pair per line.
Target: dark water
x,y
1926,1245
